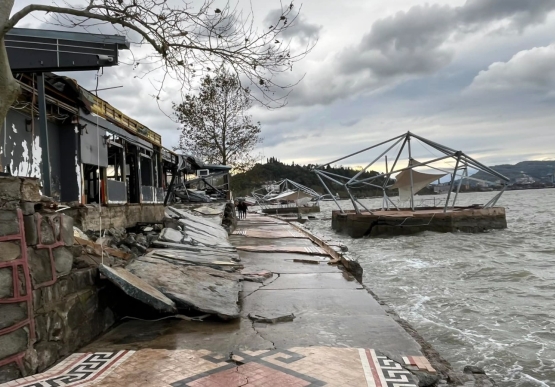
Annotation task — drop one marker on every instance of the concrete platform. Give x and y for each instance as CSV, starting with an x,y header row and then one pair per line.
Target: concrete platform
x,y
405,221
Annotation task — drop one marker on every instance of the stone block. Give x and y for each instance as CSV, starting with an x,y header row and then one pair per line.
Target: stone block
x,y
28,208
13,343
12,314
76,316
6,283
47,353
48,230
37,299
10,188
30,190
66,229
39,265
63,260
82,279
31,232
41,324
9,251
9,224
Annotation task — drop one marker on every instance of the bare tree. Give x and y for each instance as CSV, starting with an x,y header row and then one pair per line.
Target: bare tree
x,y
216,126
188,40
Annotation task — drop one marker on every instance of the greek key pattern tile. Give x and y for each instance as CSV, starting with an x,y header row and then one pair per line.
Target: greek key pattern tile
x,y
380,371
295,367
79,369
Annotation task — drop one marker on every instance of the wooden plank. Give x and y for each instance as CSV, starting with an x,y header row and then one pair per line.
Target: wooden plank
x,y
98,249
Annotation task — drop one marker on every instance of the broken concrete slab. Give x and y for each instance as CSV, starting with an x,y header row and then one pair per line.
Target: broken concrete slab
x,y
272,319
199,228
137,288
217,250
212,222
205,210
257,276
194,258
171,235
202,288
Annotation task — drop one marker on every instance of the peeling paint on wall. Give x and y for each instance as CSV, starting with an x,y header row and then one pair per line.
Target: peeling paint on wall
x,y
23,167
78,172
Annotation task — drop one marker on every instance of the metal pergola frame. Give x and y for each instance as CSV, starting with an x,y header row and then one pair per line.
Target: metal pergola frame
x,y
460,172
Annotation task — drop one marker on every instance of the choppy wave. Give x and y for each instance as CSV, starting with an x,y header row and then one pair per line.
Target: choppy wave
x,y
483,299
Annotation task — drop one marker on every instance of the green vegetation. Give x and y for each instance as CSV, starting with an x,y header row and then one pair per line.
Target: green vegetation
x,y
244,183
539,170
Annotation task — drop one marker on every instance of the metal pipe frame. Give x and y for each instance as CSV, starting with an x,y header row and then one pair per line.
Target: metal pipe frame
x,y
452,184
333,197
463,162
395,162
372,163
360,151
465,173
410,172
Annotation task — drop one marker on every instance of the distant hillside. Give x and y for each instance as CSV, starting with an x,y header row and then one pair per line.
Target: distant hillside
x,y
243,184
539,170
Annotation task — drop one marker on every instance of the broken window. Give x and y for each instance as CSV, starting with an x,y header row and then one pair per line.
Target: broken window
x,y
115,170
147,178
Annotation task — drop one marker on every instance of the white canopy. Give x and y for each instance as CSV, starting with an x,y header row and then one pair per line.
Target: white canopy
x,y
419,181
291,195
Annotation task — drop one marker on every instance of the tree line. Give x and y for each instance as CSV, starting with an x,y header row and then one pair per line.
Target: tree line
x,y
244,183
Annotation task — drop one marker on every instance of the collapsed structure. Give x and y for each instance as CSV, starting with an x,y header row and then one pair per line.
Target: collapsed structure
x,y
409,176
285,197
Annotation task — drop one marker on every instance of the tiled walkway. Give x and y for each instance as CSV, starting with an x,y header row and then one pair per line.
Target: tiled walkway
x,y
339,336
297,367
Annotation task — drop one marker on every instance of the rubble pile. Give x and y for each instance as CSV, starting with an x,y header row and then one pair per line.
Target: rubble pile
x,y
190,261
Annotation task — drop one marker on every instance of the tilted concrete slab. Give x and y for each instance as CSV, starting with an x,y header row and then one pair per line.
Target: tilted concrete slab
x,y
201,288
137,288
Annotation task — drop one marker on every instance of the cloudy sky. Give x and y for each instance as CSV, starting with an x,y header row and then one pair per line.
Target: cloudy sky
x,y
475,75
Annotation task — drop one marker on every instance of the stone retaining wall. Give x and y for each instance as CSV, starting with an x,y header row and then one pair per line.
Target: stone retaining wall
x,y
48,308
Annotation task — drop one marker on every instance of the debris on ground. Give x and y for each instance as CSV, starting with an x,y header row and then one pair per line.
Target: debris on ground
x,y
259,276
272,320
190,261
138,288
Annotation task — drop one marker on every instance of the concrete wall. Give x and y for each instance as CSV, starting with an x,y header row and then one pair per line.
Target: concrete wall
x,y
467,220
49,306
126,216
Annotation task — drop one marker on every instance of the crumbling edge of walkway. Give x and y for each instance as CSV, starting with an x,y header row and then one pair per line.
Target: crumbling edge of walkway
x,y
351,265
